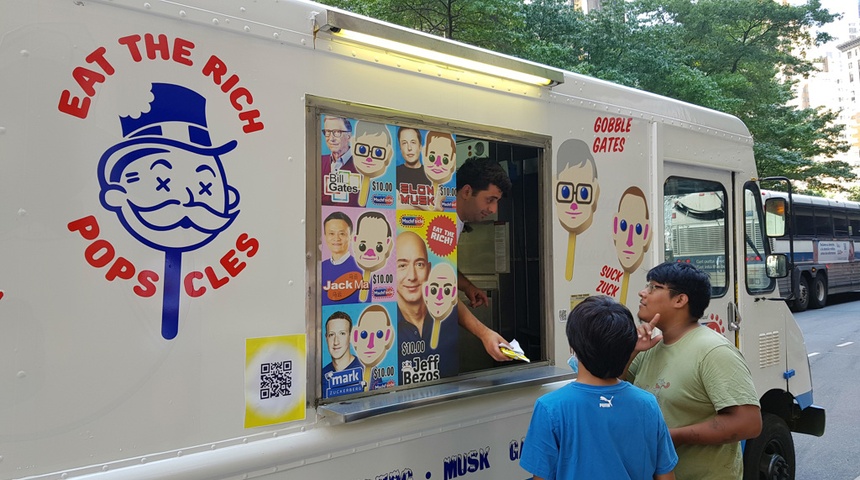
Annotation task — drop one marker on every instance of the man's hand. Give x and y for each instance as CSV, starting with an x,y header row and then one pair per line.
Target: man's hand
x,y
488,337
477,296
644,331
491,341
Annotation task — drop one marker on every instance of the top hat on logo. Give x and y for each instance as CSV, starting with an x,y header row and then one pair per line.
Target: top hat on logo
x,y
176,119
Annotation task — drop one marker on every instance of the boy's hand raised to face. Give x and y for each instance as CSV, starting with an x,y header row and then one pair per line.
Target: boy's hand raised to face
x,y
644,331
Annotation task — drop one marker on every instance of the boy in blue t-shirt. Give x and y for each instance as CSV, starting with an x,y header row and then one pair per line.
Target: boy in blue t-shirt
x,y
599,426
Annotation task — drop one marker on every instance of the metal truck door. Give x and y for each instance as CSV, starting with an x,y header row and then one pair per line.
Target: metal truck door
x,y
698,210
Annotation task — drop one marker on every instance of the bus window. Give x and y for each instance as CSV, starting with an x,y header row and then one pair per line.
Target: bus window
x,y
823,223
840,223
695,216
804,224
755,252
854,224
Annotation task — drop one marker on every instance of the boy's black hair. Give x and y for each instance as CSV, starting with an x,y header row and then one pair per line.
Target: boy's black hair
x,y
687,279
480,173
602,334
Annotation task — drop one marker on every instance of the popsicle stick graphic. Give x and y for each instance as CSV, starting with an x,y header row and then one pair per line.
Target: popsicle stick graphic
x,y
372,153
172,285
365,280
625,279
434,337
440,296
371,246
365,189
571,252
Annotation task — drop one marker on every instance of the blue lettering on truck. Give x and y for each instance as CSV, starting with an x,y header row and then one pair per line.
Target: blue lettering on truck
x,y
470,462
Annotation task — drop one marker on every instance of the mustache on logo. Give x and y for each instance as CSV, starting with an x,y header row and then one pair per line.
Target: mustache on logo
x,y
172,214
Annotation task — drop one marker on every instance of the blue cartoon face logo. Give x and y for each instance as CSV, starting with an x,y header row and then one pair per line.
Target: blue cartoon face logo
x,y
170,198
166,183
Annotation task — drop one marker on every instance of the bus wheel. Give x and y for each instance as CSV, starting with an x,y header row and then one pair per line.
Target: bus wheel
x,y
801,301
818,294
770,456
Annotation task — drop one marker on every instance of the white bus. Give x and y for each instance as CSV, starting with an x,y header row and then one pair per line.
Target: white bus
x,y
820,242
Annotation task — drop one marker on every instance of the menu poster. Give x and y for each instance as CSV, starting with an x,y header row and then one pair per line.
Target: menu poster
x,y
388,249
427,322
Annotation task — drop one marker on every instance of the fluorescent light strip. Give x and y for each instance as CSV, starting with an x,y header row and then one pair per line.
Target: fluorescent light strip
x,y
442,58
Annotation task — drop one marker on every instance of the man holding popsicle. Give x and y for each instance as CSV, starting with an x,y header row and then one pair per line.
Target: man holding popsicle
x,y
481,183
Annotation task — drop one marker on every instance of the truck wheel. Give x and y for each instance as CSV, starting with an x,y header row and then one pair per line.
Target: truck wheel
x,y
801,301
818,293
770,456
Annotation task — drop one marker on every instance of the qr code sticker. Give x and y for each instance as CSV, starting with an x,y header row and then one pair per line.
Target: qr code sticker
x,y
275,379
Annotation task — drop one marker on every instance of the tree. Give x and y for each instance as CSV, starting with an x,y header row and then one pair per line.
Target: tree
x,y
736,56
751,49
491,24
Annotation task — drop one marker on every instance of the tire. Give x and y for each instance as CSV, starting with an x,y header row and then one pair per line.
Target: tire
x,y
801,301
818,292
770,456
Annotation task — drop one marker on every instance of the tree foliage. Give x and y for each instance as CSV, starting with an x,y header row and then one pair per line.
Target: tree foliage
x,y
737,56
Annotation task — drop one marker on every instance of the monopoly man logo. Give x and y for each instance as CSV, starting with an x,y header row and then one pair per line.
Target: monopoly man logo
x,y
165,178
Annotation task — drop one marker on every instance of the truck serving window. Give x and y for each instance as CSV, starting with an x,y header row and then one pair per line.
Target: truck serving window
x,y
695,216
390,245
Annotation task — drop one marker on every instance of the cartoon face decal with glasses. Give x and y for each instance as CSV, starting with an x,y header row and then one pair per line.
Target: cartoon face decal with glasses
x,y
631,233
372,152
576,192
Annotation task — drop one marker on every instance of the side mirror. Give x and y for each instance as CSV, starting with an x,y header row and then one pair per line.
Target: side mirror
x,y
776,265
774,216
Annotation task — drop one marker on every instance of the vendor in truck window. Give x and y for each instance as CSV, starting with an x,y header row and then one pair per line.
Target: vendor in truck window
x,y
481,183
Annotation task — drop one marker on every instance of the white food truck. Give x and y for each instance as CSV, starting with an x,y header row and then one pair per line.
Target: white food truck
x,y
199,278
